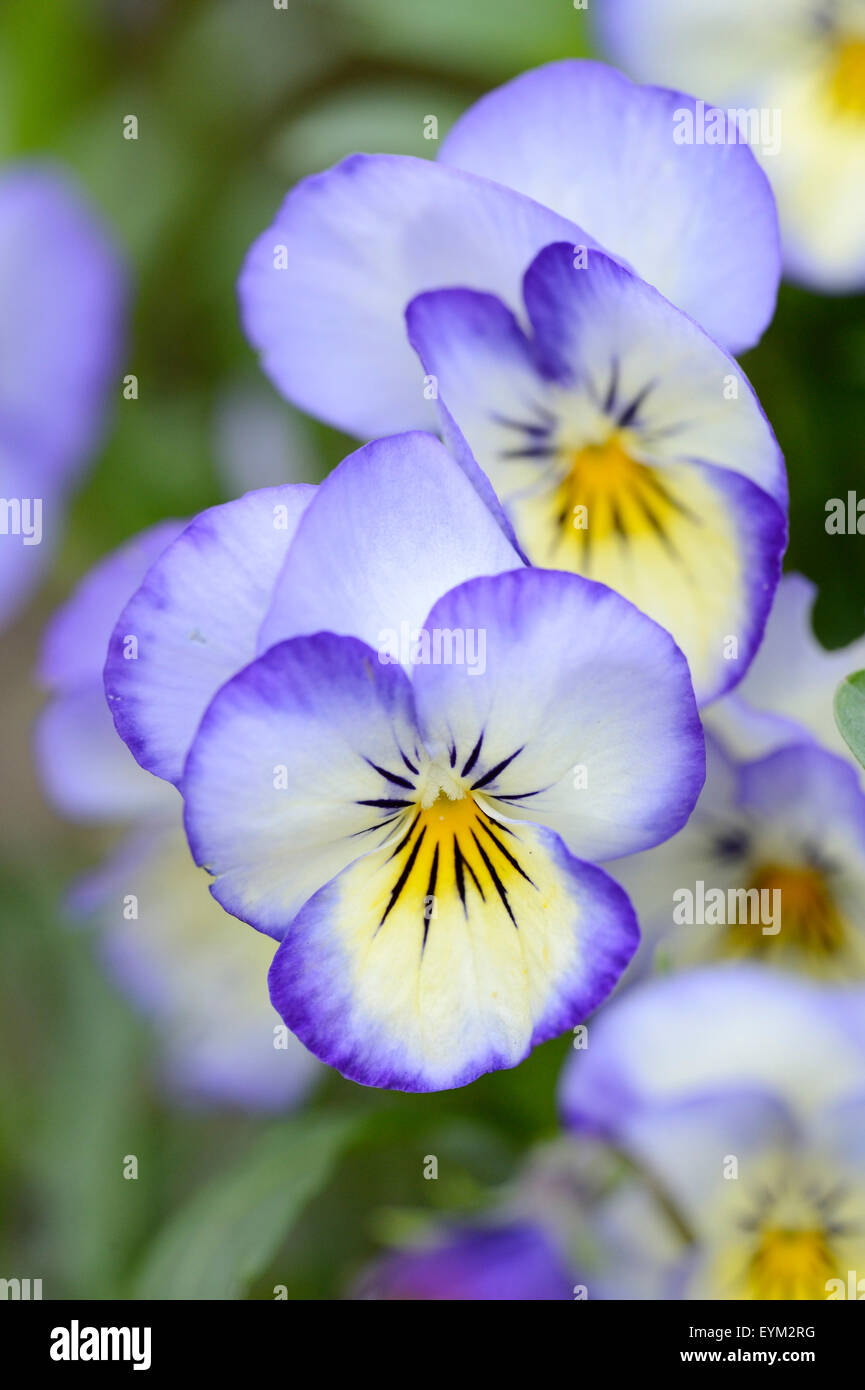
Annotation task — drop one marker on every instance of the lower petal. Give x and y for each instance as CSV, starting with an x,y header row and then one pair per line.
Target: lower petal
x,y
698,548
423,968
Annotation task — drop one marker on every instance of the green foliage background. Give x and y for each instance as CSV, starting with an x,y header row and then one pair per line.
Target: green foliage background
x,y
236,100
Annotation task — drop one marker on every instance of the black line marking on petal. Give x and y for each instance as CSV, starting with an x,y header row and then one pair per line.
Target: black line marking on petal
x,y
648,479
403,878
473,756
491,870
506,852
410,765
430,893
628,415
453,754
384,804
394,777
531,427
467,862
499,825
613,388
405,839
459,875
618,523
375,826
530,451
520,796
655,522
494,771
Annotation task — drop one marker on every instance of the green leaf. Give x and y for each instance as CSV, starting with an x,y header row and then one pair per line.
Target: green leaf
x,y
229,1231
850,713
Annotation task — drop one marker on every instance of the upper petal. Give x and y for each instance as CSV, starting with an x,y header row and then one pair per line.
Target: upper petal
x,y
297,769
391,529
711,1031
194,622
571,709
323,290
577,136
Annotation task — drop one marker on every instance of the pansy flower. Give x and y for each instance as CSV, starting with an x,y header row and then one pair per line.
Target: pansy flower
x,y
791,75
407,819
196,974
739,1094
770,867
623,445
62,293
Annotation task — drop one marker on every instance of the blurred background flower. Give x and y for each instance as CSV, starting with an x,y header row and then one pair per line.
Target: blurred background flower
x,y
232,104
795,70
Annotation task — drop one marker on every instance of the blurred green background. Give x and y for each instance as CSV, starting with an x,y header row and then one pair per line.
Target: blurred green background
x,y
236,100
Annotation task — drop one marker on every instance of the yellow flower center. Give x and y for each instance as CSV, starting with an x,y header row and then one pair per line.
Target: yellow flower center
x,y
847,81
608,493
790,1264
810,922
450,847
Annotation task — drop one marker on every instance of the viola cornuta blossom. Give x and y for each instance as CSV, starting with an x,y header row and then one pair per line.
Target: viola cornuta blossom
x,y
506,1263
62,291
194,972
568,152
771,866
416,826
413,841
739,1093
624,445
789,76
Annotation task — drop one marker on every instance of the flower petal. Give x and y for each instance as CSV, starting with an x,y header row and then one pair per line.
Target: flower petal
x,y
199,975
577,136
395,526
194,622
323,290
63,295
428,989
722,1029
283,784
576,712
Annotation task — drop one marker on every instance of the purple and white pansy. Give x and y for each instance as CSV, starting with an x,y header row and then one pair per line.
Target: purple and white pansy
x,y
62,291
616,439
789,77
740,1094
624,445
196,974
770,867
416,822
